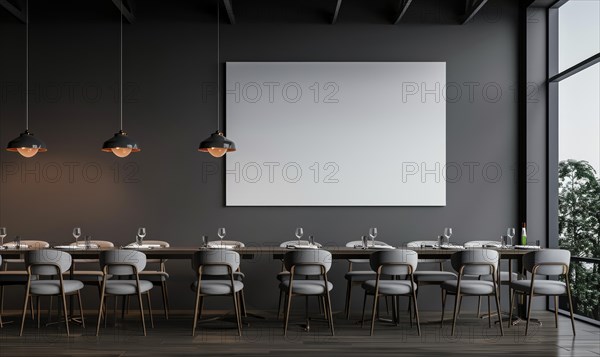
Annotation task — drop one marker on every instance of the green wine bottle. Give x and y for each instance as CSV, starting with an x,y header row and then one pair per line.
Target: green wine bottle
x,y
524,235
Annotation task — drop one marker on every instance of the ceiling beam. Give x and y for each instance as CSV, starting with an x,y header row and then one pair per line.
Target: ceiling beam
x,y
15,11
473,7
125,10
336,13
404,4
229,10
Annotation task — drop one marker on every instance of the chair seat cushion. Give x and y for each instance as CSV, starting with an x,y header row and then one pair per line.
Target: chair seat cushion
x,y
154,275
127,287
470,287
540,287
52,287
306,287
389,287
360,275
217,287
434,276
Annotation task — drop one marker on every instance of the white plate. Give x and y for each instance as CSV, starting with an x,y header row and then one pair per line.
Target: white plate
x,y
143,246
222,246
302,246
526,247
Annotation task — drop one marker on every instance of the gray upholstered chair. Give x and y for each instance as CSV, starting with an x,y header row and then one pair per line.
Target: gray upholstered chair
x,y
158,274
357,277
387,265
119,263
473,262
505,277
90,276
430,277
547,262
50,263
304,264
221,263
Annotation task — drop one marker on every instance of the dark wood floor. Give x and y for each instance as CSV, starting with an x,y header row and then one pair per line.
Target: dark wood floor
x,y
265,337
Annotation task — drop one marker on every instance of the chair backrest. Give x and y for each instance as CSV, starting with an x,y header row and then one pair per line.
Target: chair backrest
x,y
394,262
546,257
355,243
482,244
122,261
207,259
45,261
476,261
307,261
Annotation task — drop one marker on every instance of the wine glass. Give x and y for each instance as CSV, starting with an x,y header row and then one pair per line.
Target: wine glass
x,y
141,233
299,234
2,236
447,234
221,233
372,235
510,232
76,234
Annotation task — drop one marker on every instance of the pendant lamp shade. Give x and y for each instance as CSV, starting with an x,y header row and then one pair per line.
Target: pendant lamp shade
x,y
217,145
26,144
120,144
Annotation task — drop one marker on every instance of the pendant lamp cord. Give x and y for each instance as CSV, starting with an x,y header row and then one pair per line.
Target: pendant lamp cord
x,y
218,65
121,68
26,64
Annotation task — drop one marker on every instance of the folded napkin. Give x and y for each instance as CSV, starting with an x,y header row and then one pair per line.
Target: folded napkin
x,y
218,245
493,245
303,246
142,246
376,246
527,247
78,246
450,246
14,246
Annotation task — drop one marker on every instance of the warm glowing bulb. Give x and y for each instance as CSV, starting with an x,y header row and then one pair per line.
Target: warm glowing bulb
x,y
28,152
217,152
121,152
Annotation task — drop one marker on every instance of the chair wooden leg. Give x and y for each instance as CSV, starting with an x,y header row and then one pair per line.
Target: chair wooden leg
x,y
142,311
375,301
323,305
101,307
348,297
37,304
511,294
242,301
287,312
24,311
65,313
150,309
163,289
279,303
196,312
556,311
489,312
394,311
457,303
496,295
444,294
330,312
479,306
32,309
528,313
416,313
362,320
80,309
237,313
570,305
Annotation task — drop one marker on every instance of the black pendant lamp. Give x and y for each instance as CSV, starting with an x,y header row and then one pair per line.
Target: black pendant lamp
x,y
120,144
217,144
26,144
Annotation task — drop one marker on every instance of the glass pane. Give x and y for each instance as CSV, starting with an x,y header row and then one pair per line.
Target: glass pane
x,y
578,32
579,185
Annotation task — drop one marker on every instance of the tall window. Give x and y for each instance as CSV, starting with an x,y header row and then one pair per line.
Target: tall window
x,y
577,106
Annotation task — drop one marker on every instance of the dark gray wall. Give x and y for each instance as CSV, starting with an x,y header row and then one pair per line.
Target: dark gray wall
x,y
170,56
